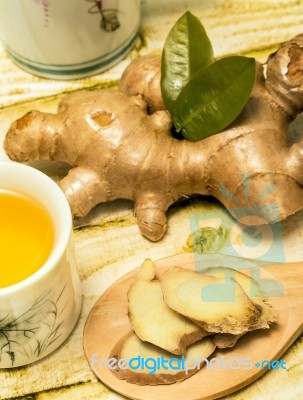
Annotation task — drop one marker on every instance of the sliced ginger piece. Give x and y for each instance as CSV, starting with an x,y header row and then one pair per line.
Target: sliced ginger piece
x,y
222,309
155,372
252,289
225,340
151,318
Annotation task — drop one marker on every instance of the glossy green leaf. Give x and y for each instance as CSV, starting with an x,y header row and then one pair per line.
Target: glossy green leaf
x,y
214,97
187,49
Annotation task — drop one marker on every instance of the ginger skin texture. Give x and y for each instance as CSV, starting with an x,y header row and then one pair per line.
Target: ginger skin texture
x,y
118,150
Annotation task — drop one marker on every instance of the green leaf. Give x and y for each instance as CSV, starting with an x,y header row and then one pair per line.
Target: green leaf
x,y
187,49
214,97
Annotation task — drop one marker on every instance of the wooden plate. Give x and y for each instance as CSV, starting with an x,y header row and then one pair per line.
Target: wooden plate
x,y
108,322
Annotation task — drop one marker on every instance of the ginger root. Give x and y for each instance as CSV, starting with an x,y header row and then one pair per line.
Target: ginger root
x,y
117,150
143,77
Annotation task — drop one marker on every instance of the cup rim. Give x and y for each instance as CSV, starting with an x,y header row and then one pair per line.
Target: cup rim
x,y
63,236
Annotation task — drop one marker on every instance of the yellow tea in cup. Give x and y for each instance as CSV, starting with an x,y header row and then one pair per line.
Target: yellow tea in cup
x,y
26,237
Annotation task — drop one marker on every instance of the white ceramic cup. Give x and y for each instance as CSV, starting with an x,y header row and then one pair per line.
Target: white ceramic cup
x,y
68,39
38,313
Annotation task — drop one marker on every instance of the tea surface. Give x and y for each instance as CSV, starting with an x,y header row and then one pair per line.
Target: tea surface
x,y
26,237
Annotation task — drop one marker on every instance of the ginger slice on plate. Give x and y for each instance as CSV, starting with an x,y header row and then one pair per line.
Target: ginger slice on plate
x,y
253,290
225,340
145,364
151,318
218,305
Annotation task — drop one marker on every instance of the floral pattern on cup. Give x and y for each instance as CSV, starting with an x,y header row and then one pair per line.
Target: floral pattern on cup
x,y
34,331
109,16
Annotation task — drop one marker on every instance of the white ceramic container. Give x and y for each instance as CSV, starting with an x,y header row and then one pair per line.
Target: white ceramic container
x,y
68,39
38,313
